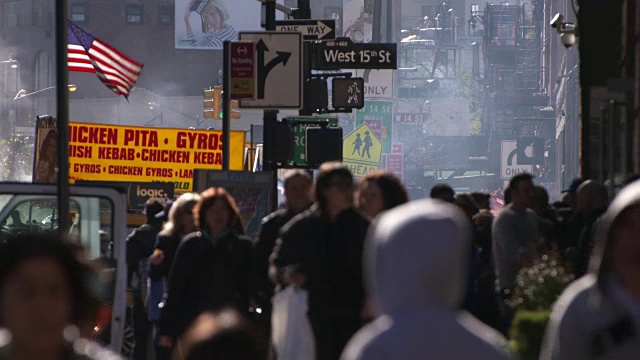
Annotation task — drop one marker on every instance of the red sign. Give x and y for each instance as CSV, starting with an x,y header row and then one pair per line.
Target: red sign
x,y
394,164
394,161
410,118
243,70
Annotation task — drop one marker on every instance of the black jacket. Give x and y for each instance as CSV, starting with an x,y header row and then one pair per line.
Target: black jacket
x,y
329,253
139,247
261,286
206,276
169,245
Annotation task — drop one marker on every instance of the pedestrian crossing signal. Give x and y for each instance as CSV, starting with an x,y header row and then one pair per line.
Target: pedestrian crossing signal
x,y
348,93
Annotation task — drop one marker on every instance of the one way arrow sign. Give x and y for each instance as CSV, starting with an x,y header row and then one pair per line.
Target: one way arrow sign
x,y
310,29
278,76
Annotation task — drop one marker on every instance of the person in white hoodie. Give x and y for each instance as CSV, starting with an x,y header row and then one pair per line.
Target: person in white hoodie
x,y
415,262
598,315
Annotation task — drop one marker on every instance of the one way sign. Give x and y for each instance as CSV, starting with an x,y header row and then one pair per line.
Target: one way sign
x,y
310,29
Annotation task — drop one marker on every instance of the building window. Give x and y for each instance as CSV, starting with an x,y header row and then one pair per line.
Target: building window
x,y
10,11
41,12
429,10
167,14
80,13
134,13
475,8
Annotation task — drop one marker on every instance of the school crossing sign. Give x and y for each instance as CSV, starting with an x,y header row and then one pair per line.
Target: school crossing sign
x,y
362,151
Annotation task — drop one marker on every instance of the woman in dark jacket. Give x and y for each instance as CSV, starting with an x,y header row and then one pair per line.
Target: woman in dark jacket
x,y
211,267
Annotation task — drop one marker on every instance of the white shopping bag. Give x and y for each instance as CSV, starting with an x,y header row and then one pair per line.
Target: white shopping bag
x,y
290,328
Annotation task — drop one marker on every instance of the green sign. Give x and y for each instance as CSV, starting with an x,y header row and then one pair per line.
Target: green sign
x,y
300,135
379,116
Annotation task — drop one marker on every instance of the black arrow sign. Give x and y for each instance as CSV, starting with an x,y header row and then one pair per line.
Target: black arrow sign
x,y
264,70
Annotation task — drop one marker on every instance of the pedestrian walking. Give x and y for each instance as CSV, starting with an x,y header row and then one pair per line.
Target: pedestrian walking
x,y
297,191
379,191
46,300
210,270
223,335
416,270
443,192
597,316
515,236
139,248
180,223
321,251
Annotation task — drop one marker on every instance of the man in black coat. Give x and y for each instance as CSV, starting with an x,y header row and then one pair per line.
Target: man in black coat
x,y
321,250
139,247
297,191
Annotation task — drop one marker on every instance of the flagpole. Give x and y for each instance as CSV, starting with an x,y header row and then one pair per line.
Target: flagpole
x,y
62,102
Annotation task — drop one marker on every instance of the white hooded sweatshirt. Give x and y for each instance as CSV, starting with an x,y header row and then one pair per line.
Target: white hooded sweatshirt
x,y
415,262
595,318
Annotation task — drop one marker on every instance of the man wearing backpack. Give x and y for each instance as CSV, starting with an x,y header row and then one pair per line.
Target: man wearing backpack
x,y
139,247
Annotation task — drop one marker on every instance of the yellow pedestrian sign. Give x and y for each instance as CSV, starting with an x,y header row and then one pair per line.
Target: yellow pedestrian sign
x,y
362,151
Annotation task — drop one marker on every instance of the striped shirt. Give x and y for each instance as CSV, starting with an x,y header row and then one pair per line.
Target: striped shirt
x,y
213,39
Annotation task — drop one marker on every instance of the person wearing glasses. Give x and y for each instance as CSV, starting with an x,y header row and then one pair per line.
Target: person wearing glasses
x,y
320,250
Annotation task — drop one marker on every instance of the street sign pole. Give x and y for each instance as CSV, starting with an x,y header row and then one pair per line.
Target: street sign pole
x,y
62,74
304,12
270,117
226,104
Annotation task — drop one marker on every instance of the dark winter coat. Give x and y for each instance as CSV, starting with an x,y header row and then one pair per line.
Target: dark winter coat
x,y
169,245
206,275
261,286
329,254
139,247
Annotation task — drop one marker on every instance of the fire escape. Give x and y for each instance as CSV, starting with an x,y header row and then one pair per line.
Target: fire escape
x,y
515,93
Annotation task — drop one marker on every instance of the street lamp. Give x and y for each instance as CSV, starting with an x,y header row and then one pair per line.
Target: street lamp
x,y
23,93
13,62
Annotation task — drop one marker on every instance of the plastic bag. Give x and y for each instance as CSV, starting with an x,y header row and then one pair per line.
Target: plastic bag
x,y
291,331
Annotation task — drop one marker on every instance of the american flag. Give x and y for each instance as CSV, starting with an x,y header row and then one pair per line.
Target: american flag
x,y
87,53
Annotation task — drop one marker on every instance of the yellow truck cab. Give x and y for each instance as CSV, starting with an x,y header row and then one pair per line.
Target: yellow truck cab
x,y
99,219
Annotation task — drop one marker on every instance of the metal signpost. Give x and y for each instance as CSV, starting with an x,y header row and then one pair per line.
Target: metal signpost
x,y
62,95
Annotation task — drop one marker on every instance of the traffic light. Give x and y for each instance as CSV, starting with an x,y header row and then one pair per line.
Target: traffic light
x,y
212,103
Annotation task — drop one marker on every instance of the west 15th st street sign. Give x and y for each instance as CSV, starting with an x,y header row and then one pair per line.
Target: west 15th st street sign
x,y
343,53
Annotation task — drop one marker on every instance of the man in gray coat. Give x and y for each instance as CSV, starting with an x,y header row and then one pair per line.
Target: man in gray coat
x,y
598,316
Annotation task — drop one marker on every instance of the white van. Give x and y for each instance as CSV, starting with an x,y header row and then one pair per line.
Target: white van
x,y
97,213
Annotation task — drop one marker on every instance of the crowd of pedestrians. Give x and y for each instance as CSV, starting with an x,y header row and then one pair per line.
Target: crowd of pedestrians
x,y
386,278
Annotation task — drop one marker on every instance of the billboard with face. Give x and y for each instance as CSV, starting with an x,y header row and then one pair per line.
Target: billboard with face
x,y
206,24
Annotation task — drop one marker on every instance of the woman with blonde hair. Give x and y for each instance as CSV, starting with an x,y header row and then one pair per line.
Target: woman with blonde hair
x,y
180,223
211,267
